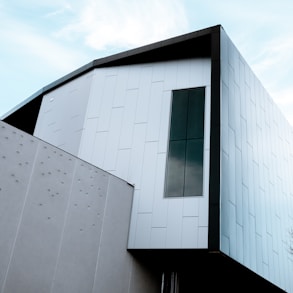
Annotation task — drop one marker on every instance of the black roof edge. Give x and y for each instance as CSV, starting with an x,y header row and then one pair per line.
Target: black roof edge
x,y
157,45
116,59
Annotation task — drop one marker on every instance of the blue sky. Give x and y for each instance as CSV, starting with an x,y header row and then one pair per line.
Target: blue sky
x,y
42,41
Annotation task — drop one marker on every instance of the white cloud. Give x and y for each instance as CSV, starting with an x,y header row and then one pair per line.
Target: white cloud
x,y
277,52
37,48
60,10
265,39
126,24
283,97
273,64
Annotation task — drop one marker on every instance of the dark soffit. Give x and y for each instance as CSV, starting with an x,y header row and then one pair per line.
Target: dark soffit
x,y
191,45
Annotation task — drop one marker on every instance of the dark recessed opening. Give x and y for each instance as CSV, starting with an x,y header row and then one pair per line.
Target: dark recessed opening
x,y
203,271
25,118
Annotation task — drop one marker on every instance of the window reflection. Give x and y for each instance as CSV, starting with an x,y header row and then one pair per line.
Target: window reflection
x,y
184,173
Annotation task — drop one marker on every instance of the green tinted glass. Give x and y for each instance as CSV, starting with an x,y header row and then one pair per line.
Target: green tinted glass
x,y
195,114
193,167
175,169
184,171
179,115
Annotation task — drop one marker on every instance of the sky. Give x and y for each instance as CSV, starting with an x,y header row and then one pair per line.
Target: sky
x,y
41,41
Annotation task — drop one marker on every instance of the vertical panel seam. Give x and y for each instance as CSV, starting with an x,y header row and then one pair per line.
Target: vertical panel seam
x,y
20,218
63,228
102,230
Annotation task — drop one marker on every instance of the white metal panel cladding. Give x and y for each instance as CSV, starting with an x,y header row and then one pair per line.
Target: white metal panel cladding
x,y
61,118
125,132
142,131
256,173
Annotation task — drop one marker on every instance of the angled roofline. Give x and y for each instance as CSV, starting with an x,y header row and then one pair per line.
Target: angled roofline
x,y
204,43
159,51
137,55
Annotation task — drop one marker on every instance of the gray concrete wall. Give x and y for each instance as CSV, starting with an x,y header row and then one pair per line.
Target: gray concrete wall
x,y
63,223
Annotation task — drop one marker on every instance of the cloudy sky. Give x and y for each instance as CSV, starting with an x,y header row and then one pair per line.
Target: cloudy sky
x,y
42,41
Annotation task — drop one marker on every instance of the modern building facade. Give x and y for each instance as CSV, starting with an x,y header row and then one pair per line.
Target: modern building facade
x,y
187,128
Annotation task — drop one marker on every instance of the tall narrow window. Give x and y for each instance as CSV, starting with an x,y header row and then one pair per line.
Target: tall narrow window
x,y
184,171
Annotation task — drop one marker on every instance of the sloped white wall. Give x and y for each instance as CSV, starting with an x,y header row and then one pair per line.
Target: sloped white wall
x,y
61,117
125,132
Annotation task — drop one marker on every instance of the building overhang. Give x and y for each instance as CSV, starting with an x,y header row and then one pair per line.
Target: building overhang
x,y
204,270
191,45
